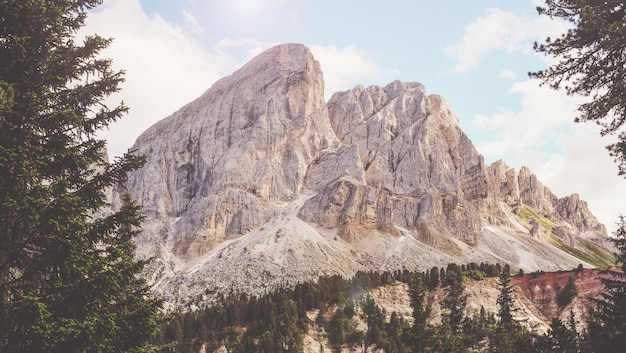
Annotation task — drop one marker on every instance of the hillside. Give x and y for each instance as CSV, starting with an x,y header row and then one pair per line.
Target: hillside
x,y
339,315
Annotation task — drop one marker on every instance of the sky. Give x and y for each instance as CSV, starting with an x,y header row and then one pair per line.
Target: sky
x,y
476,54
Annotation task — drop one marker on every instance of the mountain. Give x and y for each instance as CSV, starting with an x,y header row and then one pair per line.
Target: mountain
x,y
260,183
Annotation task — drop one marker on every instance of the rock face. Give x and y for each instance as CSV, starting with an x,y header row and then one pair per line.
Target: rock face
x,y
259,182
570,215
419,170
220,165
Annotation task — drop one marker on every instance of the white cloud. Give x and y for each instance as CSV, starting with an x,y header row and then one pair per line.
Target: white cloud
x,y
585,167
567,157
545,114
243,48
348,66
165,66
251,14
499,30
510,74
192,21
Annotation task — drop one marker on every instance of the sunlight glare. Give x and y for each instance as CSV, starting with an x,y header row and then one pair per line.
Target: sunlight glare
x,y
247,9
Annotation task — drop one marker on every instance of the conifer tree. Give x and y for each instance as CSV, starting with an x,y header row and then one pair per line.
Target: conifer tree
x,y
455,302
505,298
68,279
607,324
591,62
453,306
419,335
562,338
375,320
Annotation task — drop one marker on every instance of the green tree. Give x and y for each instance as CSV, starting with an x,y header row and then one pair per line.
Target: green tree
x,y
68,280
592,63
561,338
568,293
395,331
607,323
453,309
433,281
419,337
337,329
375,319
505,298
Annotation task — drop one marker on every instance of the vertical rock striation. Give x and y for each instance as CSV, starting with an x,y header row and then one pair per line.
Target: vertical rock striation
x,y
220,165
421,171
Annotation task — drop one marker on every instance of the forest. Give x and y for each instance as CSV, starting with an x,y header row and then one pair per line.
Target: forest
x,y
334,307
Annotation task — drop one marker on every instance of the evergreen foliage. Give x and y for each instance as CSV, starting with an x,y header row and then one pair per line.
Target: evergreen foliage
x,y
505,298
68,280
564,338
568,293
453,307
592,63
420,334
277,322
279,319
607,324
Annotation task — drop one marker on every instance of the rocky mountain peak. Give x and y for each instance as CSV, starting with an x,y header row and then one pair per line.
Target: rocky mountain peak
x,y
219,164
259,182
519,189
409,144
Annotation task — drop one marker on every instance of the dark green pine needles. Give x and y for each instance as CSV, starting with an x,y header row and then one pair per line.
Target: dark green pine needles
x,y
68,279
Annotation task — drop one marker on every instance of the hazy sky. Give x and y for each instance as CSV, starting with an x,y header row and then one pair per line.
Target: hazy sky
x,y
474,53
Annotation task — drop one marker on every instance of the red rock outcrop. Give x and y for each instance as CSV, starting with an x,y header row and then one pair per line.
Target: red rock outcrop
x,y
539,292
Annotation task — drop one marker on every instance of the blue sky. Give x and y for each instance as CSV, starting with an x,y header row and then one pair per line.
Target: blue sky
x,y
474,53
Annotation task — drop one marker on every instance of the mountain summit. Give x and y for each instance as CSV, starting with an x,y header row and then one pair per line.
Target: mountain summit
x,y
260,183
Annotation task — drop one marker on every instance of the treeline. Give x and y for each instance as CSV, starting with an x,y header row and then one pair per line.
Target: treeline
x,y
274,322
277,322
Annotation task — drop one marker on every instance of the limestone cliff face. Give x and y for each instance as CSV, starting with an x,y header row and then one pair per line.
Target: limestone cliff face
x,y
259,182
518,188
218,166
569,216
575,211
420,169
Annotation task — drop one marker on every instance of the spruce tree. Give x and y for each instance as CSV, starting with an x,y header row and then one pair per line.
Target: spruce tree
x,y
506,333
453,309
607,323
561,338
68,279
420,335
505,298
591,62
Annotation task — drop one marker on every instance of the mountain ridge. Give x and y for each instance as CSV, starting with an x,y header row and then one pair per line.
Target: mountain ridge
x,y
260,183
